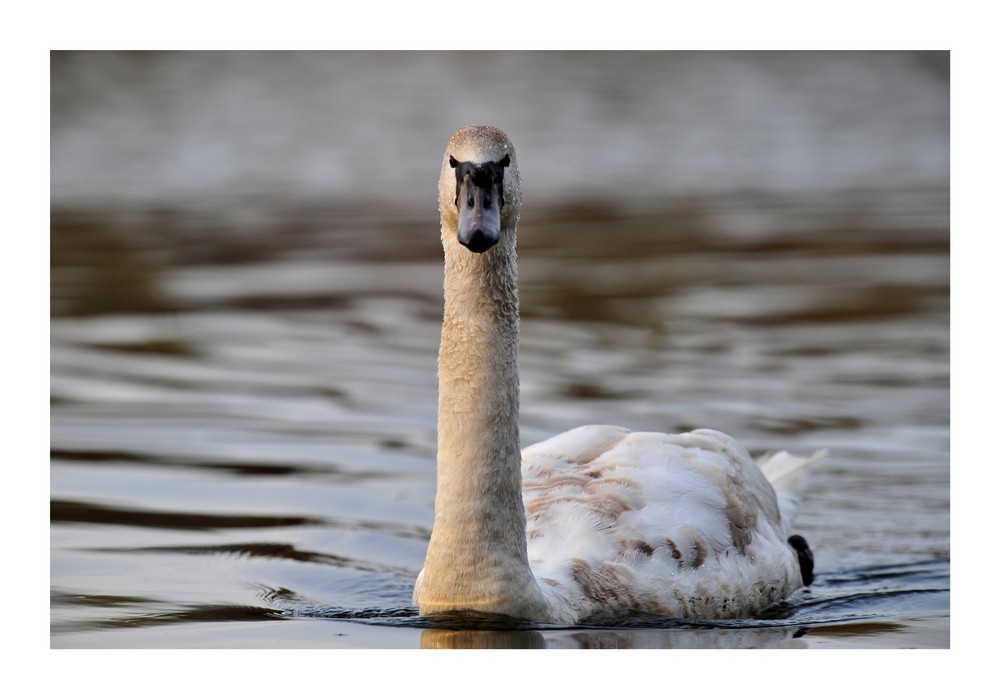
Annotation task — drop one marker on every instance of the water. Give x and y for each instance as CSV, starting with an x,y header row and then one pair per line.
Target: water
x,y
243,396
265,454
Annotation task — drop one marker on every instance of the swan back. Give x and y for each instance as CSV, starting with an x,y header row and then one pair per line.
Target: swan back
x,y
684,525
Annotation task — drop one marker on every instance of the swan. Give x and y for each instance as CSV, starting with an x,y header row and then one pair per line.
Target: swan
x,y
598,520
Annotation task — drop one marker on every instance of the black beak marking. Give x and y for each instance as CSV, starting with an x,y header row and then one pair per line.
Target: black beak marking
x,y
483,175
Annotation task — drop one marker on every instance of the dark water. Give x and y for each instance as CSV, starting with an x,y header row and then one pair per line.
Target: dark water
x,y
243,398
258,446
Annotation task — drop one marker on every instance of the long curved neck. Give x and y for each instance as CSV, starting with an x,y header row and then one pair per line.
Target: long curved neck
x,y
477,557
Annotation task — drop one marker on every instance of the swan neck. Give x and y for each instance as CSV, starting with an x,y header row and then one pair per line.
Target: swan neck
x,y
479,389
478,552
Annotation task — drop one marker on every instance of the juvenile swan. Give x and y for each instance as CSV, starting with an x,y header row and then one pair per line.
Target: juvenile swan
x,y
596,520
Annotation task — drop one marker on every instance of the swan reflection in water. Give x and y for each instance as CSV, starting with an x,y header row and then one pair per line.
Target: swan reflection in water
x,y
777,637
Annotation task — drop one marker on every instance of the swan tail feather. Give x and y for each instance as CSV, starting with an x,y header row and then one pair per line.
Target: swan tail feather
x,y
787,473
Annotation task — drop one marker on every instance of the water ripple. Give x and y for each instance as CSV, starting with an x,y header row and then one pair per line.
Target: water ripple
x,y
874,594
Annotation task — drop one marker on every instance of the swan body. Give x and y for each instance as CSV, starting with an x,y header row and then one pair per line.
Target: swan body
x,y
594,521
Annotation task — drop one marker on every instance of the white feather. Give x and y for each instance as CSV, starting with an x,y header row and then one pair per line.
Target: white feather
x,y
645,519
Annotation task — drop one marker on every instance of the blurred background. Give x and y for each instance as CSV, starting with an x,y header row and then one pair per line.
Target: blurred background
x,y
245,300
151,127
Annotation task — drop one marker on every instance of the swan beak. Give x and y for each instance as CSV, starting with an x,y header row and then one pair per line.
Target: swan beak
x,y
478,216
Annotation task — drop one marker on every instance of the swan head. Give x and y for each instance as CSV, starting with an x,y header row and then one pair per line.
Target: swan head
x,y
479,191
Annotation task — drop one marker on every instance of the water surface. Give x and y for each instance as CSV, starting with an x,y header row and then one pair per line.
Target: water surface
x,y
246,301
243,450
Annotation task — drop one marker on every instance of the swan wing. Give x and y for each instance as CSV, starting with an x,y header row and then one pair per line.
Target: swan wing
x,y
683,524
